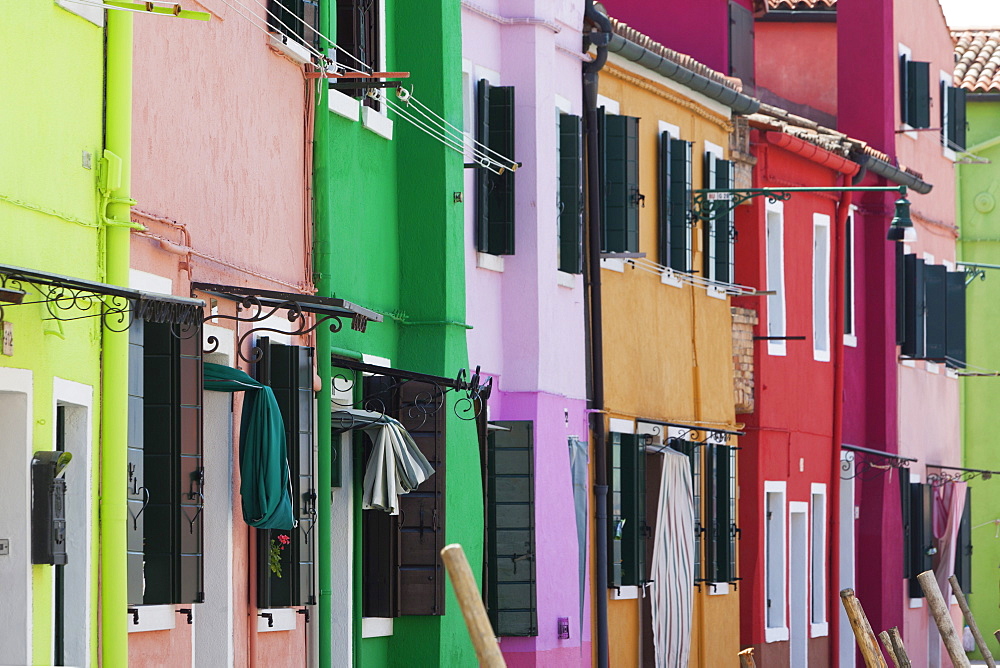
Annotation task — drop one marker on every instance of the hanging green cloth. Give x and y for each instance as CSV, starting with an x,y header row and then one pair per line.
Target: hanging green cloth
x,y
264,486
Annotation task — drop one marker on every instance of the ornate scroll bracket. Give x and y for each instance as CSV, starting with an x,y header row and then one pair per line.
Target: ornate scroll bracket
x,y
868,464
949,474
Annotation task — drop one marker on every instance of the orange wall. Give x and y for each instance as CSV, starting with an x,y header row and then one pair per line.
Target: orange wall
x,y
667,350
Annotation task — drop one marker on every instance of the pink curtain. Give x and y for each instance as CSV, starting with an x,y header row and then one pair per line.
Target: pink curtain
x,y
949,502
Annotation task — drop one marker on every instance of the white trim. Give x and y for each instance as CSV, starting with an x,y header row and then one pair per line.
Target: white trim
x,y
562,104
283,619
343,105
15,514
669,277
153,618
774,213
852,338
566,280
798,582
776,560
621,426
673,130
290,46
903,50
376,360
716,292
78,399
610,106
377,122
717,588
626,593
489,262
376,627
93,14
715,150
821,293
949,153
143,280
613,264
818,543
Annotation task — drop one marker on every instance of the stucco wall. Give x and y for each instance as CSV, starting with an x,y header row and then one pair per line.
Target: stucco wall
x,y
798,61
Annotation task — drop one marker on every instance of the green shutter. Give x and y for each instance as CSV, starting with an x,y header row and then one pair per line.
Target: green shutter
x,y
620,225
725,235
955,319
616,513
137,492
708,226
289,373
191,543
963,547
913,344
921,534
918,94
681,183
693,452
495,192
510,517
720,522
905,502
955,101
663,200
570,195
935,311
628,531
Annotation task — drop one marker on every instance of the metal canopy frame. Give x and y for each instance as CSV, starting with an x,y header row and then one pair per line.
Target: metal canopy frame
x,y
255,305
871,462
961,474
69,298
707,203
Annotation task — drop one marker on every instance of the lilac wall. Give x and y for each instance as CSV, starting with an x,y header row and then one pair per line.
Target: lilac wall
x,y
527,317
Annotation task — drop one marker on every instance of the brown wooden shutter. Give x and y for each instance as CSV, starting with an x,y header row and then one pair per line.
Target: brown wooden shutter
x,y
192,472
136,480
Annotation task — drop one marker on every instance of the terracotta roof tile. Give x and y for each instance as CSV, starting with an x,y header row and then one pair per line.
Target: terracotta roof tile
x,y
815,5
977,60
631,34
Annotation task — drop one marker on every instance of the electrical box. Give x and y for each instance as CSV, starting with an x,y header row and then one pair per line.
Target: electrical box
x,y
48,507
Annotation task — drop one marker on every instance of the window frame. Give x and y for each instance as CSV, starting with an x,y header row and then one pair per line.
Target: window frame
x,y
496,210
821,282
625,186
775,559
774,218
850,277
818,543
913,116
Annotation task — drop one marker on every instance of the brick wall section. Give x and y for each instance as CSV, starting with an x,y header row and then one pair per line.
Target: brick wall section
x,y
744,320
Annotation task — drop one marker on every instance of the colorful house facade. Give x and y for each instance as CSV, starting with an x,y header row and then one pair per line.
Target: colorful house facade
x,y
524,261
977,218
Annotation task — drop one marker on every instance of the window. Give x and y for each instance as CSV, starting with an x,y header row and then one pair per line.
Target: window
x,y
963,546
675,202
693,451
741,44
775,624
401,565
495,192
510,529
165,473
620,196
298,19
775,278
930,303
359,35
288,370
918,536
817,561
718,230
953,125
570,194
914,91
821,287
850,322
627,511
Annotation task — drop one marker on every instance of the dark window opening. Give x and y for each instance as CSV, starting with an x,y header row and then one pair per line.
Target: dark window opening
x,y
297,19
495,192
675,202
628,531
718,231
953,120
358,40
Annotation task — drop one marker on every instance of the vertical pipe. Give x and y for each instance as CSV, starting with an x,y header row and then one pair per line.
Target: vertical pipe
x,y
114,357
590,80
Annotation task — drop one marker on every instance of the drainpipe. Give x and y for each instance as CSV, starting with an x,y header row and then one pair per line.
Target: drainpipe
x,y
600,39
114,357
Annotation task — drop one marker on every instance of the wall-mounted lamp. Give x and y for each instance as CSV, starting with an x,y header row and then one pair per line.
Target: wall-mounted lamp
x,y
901,227
11,296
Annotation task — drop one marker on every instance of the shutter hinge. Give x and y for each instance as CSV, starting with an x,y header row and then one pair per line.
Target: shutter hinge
x,y
304,611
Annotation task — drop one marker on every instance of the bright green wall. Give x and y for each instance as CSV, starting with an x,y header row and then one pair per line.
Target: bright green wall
x,y
395,240
979,216
48,215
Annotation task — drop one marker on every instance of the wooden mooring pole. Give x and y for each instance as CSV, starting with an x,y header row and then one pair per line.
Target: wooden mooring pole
x,y
862,630
896,642
971,621
939,610
473,610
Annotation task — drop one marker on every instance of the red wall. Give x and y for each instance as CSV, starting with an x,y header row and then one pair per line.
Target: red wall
x,y
798,61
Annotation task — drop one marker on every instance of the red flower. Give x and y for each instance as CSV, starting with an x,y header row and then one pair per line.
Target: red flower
x,y
284,540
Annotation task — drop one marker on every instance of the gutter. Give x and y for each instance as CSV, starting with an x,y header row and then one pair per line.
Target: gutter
x,y
892,173
812,152
738,102
114,354
593,304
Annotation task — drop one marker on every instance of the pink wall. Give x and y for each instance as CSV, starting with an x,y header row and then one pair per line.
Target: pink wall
x,y
221,172
798,62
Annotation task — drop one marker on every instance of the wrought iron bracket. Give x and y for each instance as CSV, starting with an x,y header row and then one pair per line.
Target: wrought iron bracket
x,y
866,464
950,474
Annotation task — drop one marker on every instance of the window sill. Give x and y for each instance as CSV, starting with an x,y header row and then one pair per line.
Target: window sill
x,y
850,340
669,277
776,348
343,105
909,131
715,292
949,154
566,280
717,588
283,619
376,627
289,47
916,603
153,618
489,262
627,593
775,634
614,264
377,122
819,630
821,355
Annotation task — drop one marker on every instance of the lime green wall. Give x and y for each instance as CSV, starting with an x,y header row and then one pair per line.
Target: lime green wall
x,y
390,237
979,216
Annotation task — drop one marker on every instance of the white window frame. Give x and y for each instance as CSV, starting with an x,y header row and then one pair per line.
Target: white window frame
x,y
948,152
776,560
903,50
821,287
669,277
818,523
852,338
775,218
